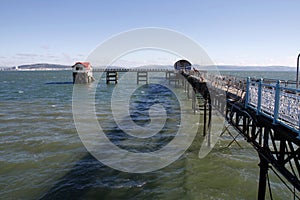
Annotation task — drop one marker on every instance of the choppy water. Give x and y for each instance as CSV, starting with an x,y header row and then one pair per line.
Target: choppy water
x,y
42,156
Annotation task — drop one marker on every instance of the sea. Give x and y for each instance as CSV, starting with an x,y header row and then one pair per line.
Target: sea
x,y
42,155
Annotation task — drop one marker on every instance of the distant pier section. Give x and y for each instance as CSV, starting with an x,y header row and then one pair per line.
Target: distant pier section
x,y
112,74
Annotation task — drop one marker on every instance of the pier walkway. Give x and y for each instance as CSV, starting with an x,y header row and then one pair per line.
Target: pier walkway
x,y
136,69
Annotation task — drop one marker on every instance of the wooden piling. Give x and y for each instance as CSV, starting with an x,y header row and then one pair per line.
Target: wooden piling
x,y
142,77
111,76
173,77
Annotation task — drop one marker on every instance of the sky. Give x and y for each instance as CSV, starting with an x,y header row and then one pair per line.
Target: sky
x,y
232,32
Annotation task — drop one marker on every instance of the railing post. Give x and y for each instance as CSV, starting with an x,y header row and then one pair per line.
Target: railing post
x,y
297,74
259,96
277,101
297,96
247,97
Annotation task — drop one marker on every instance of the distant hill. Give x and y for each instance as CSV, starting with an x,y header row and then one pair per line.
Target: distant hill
x,y
44,66
254,68
246,68
37,67
218,67
141,67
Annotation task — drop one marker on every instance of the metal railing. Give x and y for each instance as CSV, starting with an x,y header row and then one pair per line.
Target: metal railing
x,y
132,70
279,103
277,100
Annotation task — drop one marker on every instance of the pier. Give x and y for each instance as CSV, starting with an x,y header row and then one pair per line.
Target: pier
x,y
265,112
142,73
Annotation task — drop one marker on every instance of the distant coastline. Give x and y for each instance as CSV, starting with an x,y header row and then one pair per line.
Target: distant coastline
x,y
37,67
48,67
255,68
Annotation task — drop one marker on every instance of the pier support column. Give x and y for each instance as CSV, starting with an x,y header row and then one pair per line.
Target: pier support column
x,y
173,77
111,76
167,74
263,171
188,90
204,119
142,77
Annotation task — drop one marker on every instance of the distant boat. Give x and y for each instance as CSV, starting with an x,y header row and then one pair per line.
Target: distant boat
x,y
82,72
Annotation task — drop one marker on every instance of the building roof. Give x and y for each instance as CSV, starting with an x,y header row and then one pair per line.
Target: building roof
x,y
85,64
182,64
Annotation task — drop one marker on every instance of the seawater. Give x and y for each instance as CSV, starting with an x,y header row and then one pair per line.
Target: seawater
x,y
42,156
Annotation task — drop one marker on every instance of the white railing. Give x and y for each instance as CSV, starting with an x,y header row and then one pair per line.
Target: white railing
x,y
133,70
279,103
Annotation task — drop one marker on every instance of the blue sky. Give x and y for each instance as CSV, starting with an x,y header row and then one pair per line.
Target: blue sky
x,y
231,32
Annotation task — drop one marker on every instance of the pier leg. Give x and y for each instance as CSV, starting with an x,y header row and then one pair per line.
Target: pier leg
x,y
142,76
188,91
204,120
111,76
194,103
263,171
209,122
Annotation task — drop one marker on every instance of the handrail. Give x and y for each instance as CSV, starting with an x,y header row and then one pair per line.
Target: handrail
x,y
281,104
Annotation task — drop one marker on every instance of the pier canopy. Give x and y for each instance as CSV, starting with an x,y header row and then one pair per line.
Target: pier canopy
x,y
82,66
182,65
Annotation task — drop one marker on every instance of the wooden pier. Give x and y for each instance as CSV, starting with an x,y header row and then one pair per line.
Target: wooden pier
x,y
142,74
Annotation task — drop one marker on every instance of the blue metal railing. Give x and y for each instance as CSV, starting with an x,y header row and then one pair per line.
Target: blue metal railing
x,y
281,104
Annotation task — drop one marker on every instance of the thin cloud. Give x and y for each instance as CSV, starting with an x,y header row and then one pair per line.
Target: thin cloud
x,y
30,55
45,47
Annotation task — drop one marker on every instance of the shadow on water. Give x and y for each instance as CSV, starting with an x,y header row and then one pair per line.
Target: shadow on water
x,y
73,184
59,83
88,174
90,179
